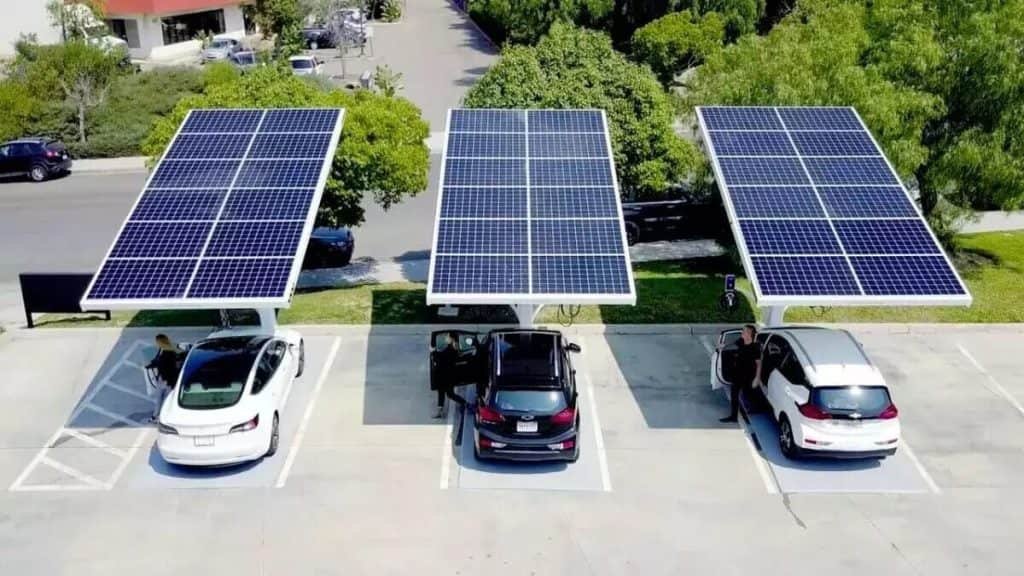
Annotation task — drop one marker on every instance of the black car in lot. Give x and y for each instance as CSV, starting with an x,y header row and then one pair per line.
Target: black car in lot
x,y
318,37
681,214
526,398
37,158
329,248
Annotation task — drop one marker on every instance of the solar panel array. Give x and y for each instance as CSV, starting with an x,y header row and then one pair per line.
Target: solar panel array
x,y
819,212
529,211
225,215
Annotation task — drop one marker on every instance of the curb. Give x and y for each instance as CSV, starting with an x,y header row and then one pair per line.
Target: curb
x,y
100,165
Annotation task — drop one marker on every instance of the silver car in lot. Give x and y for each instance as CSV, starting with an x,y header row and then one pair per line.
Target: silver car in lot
x,y
220,49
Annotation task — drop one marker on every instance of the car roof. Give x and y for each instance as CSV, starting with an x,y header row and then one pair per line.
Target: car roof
x,y
523,331
300,57
832,357
31,140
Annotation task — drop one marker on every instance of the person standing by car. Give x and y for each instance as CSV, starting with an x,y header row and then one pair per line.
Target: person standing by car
x,y
444,382
166,364
748,369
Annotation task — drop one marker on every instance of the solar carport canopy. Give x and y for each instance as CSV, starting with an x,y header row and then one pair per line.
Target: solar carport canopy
x,y
529,211
819,214
224,218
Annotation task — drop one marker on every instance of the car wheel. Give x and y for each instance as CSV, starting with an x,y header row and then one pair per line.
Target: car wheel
x,y
632,234
38,173
786,442
302,358
275,438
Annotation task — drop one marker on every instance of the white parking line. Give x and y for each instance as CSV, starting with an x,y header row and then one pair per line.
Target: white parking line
x,y
110,415
95,443
130,392
602,455
282,478
446,455
16,485
78,475
920,468
995,387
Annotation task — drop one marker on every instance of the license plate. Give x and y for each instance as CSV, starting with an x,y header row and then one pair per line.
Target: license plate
x,y
204,440
526,426
848,423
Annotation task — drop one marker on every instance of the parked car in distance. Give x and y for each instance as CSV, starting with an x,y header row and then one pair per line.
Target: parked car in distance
x,y
225,408
825,394
244,60
526,401
306,65
681,214
37,158
329,248
220,48
318,37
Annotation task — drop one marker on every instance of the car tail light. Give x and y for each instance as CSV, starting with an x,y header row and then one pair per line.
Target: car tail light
x,y
165,429
564,417
563,445
488,443
488,415
247,426
811,411
889,413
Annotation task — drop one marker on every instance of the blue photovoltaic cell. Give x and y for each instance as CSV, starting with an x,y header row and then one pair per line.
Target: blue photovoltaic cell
x,y
834,144
576,236
279,173
200,146
885,237
580,275
776,202
290,146
241,278
866,202
486,145
822,118
476,172
178,205
555,145
738,118
194,174
765,171
565,121
906,275
789,237
752,144
487,121
596,202
481,237
141,279
222,121
494,202
244,204
579,172
804,276
480,274
239,239
864,171
161,239
300,120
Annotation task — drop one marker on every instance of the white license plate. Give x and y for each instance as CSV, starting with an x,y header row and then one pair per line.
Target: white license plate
x,y
848,423
204,440
526,426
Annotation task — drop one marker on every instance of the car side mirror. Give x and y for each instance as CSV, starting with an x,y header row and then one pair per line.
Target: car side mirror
x,y
573,347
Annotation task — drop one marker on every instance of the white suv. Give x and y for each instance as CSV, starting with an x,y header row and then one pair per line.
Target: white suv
x,y
825,394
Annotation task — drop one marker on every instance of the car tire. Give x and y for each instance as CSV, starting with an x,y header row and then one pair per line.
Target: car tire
x,y
275,438
632,233
302,358
38,173
787,444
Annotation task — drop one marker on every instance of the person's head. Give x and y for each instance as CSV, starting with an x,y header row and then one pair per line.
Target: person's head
x,y
749,333
163,342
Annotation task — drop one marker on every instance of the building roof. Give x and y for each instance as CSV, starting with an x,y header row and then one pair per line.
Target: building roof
x,y
114,7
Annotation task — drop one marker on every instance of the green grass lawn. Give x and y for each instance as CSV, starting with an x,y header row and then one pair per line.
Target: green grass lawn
x,y
992,264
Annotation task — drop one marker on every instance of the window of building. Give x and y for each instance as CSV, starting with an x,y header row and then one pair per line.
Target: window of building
x,y
185,27
127,30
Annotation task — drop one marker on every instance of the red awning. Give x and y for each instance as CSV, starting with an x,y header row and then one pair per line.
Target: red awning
x,y
116,7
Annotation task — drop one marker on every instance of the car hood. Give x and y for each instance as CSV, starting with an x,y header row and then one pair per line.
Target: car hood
x,y
215,52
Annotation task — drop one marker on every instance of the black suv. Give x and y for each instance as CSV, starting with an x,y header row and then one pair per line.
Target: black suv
x,y
525,392
329,248
681,214
37,158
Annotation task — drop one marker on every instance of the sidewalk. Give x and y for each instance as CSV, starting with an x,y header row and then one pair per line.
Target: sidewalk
x,y
995,221
107,165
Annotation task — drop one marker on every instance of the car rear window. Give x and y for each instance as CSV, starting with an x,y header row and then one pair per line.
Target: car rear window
x,y
530,400
528,355
215,372
302,64
853,401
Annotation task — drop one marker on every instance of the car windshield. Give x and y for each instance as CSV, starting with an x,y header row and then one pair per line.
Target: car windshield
x,y
220,44
862,401
215,372
302,64
528,355
530,400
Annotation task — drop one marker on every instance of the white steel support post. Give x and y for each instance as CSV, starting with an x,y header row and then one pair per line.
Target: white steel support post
x,y
774,316
526,314
268,318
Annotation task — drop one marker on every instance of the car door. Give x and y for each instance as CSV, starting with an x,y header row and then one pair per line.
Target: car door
x,y
20,159
469,363
776,369
270,380
723,362
6,160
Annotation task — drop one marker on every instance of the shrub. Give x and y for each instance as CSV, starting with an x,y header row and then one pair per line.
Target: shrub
x,y
674,43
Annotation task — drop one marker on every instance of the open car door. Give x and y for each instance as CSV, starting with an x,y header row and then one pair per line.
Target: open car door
x,y
723,363
469,360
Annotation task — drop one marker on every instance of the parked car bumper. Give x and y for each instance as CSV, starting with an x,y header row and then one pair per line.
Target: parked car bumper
x,y
227,449
526,449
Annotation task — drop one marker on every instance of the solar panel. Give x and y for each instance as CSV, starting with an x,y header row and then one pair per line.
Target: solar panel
x,y
223,219
529,211
819,214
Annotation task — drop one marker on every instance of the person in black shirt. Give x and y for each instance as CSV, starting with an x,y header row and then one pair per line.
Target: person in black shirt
x,y
445,378
167,367
747,372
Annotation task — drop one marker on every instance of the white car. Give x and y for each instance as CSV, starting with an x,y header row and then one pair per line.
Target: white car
x,y
825,394
226,406
306,65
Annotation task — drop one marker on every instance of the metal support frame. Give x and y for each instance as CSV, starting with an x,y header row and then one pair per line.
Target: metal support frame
x,y
774,315
526,314
268,318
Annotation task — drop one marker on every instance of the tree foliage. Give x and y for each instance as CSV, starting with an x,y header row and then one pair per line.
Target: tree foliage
x,y
77,20
574,68
739,16
677,42
527,21
381,151
282,20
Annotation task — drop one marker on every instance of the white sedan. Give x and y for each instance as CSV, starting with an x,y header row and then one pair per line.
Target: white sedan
x,y
227,404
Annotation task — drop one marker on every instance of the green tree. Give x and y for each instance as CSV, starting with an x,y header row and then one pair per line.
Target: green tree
x,y
19,107
677,42
77,20
526,21
739,16
282,20
574,68
381,151
387,81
